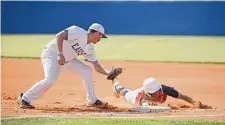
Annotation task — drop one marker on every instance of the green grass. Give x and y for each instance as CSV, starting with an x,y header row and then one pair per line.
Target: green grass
x,y
131,48
105,121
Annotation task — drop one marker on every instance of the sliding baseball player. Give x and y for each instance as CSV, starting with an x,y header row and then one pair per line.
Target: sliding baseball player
x,y
152,91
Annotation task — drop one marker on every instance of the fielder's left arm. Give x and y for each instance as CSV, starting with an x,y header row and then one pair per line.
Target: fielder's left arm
x,y
111,75
100,69
91,57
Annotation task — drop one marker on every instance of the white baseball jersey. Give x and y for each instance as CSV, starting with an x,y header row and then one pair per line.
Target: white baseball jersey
x,y
75,44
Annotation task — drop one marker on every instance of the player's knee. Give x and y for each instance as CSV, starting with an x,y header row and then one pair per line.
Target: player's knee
x,y
49,80
86,71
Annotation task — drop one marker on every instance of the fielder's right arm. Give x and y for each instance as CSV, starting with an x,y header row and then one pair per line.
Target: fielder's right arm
x,y
60,37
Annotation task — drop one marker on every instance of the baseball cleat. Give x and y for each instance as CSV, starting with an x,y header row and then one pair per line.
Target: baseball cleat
x,y
98,103
24,104
115,92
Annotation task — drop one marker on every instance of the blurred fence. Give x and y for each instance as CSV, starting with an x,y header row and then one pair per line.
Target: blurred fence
x,y
156,18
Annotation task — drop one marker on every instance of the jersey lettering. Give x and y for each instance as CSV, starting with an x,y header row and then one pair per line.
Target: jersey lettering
x,y
78,49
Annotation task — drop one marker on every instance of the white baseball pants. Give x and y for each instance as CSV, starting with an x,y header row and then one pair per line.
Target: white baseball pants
x,y
52,70
129,95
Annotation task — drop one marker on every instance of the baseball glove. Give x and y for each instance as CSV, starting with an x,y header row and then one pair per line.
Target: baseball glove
x,y
114,73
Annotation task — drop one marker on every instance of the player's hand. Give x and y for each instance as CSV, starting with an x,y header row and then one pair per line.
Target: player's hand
x,y
61,59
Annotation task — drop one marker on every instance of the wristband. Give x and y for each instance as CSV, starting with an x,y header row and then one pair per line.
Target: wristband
x,y
60,54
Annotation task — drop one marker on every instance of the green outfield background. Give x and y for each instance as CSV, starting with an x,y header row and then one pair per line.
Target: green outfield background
x,y
130,48
124,48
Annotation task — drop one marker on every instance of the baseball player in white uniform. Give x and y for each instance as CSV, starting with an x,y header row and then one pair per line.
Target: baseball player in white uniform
x,y
152,92
61,53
